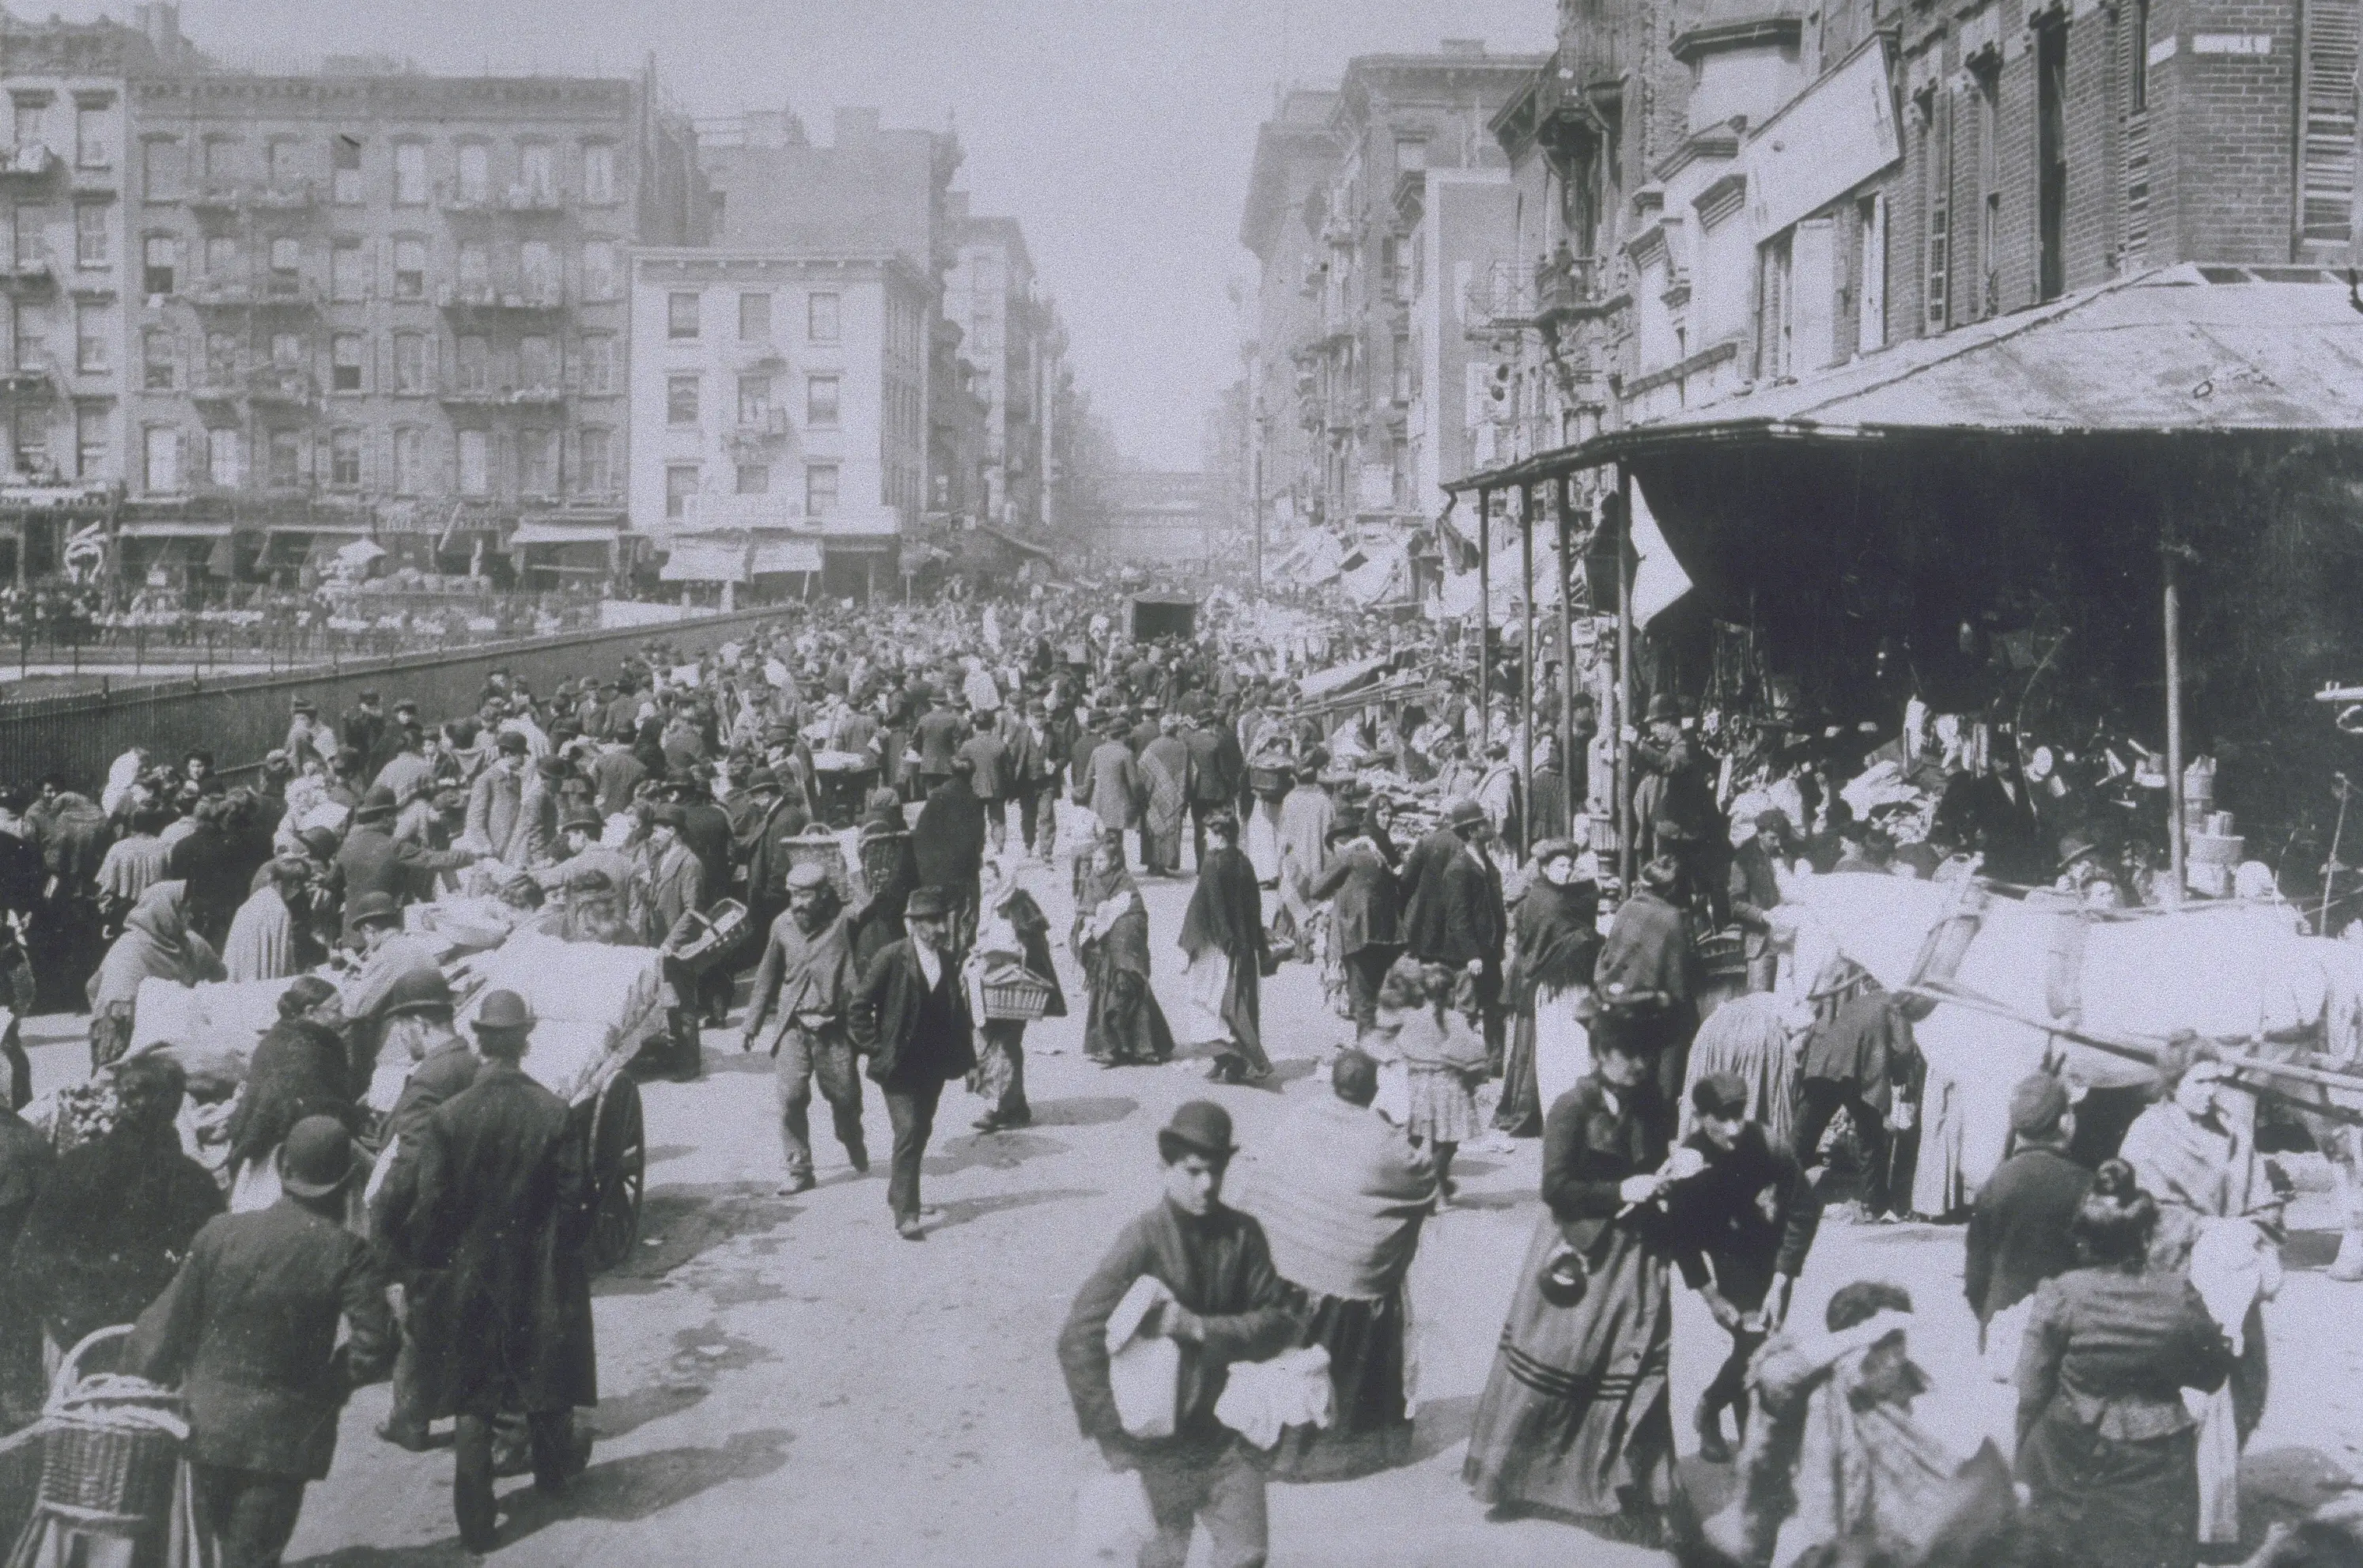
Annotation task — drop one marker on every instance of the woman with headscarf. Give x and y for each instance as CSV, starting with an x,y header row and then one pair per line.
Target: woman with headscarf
x,y
1122,1022
1012,933
267,940
1223,934
301,1068
156,943
1556,929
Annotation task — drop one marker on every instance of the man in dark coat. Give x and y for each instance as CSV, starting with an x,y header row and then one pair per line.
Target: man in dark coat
x,y
247,1331
499,1203
807,977
26,1161
1218,773
910,1016
949,843
773,816
1741,1229
2019,1229
938,740
1458,920
1365,923
1225,1304
1647,978
1756,892
372,860
1861,1058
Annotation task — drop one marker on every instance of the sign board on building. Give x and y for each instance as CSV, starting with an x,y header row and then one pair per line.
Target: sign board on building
x,y
1832,138
2250,44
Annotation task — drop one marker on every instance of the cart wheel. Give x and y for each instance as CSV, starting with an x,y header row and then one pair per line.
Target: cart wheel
x,y
619,1172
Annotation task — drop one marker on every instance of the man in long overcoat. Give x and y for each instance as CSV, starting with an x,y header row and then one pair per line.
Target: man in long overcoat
x,y
911,1017
1456,917
500,1204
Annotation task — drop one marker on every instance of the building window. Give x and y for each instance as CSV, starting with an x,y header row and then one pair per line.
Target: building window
x,y
754,398
681,315
538,463
2051,159
537,364
599,270
287,255
31,441
820,401
348,271
410,269
158,256
754,478
410,362
90,443
599,173
345,362
226,456
2139,86
221,258
475,463
538,270
287,350
160,449
31,255
345,458
821,319
475,172
220,161
160,372
32,109
475,365
681,483
599,362
1987,86
93,147
598,460
475,267
26,323
409,460
283,163
409,173
534,173
90,338
1936,148
681,399
90,248
160,162
1870,286
754,317
820,489
221,358
345,171
287,460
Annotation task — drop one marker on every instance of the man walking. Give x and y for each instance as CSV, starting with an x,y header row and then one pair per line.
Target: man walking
x,y
499,1204
1365,924
2019,1229
248,1330
1224,1304
806,977
911,1017
1457,918
1218,773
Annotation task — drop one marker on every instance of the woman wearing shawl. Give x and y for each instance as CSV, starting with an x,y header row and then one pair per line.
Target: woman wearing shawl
x,y
156,942
1341,1196
1165,769
1123,1022
1557,933
267,940
1011,932
301,1068
1223,934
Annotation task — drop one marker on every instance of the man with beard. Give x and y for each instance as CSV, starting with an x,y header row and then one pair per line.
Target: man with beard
x,y
807,977
911,1017
948,840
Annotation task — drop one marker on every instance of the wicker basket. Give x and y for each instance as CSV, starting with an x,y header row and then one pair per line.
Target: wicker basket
x,y
1016,995
1724,954
1270,783
94,1465
822,849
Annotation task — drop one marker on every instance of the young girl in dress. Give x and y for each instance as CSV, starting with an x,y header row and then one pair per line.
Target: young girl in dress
x,y
1443,1060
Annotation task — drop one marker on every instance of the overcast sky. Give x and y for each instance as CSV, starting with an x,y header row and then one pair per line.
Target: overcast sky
x,y
1119,132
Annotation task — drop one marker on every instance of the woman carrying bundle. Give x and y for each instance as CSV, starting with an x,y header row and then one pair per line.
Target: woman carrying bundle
x,y
1013,941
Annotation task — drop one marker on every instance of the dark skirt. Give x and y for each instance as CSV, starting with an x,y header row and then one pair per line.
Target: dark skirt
x,y
1371,1427
2099,1503
1520,1114
1575,1417
1124,1021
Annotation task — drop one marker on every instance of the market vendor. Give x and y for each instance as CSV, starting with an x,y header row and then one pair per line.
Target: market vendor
x,y
388,955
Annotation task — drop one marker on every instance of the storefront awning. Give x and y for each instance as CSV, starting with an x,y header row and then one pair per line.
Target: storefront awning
x,y
171,528
1017,542
696,560
539,531
772,555
2191,349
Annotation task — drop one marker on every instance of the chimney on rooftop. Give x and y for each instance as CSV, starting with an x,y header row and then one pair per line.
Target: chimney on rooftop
x,y
855,127
1465,49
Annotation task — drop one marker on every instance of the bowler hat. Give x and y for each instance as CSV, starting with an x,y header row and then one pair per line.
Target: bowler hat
x,y
552,766
504,1009
376,806
512,743
373,907
762,779
318,843
670,816
1720,1095
2038,1102
1665,708
1199,1126
587,820
808,874
417,991
928,903
1463,812
317,1159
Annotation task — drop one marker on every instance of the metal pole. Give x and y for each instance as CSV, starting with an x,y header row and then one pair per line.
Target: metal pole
x,y
1527,671
2173,616
1259,518
1567,658
1624,848
1484,618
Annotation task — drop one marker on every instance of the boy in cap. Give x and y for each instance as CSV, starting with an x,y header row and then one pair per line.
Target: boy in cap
x,y
263,1405
1224,1304
1742,1228
2020,1230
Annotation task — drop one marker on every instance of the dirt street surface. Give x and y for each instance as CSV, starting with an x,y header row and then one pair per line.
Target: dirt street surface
x,y
784,1381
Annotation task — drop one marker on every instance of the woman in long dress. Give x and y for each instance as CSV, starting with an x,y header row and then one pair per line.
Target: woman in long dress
x,y
156,943
1556,929
301,1068
266,940
1122,1020
1011,932
1223,934
1576,1418
2106,1446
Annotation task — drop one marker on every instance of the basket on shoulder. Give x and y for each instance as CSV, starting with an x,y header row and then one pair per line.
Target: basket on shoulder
x,y
1015,995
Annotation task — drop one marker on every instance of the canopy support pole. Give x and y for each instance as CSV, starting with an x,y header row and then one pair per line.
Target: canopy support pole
x,y
1567,661
1624,848
1526,673
2172,615
1484,619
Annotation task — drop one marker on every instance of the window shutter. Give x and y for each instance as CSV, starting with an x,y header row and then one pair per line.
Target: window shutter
x,y
2333,32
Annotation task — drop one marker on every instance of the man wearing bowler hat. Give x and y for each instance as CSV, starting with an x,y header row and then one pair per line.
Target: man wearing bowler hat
x,y
1224,1304
911,1016
498,1206
248,1332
